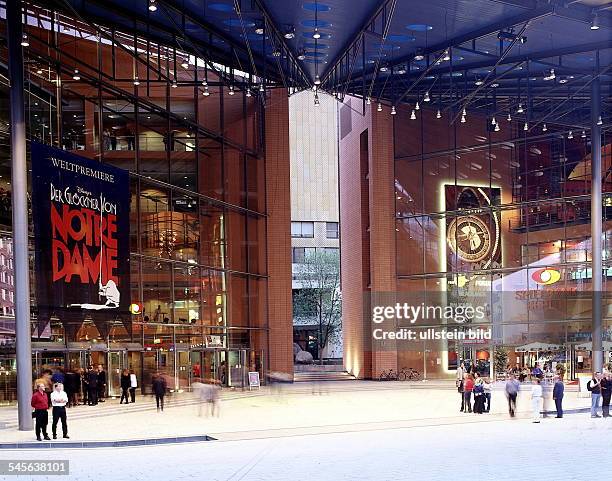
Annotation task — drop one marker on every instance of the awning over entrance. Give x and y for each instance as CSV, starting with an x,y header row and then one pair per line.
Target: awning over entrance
x,y
588,346
538,346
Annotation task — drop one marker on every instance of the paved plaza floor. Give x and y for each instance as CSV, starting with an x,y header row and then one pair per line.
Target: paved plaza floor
x,y
344,431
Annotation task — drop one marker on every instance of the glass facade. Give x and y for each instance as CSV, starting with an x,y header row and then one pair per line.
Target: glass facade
x,y
503,215
197,226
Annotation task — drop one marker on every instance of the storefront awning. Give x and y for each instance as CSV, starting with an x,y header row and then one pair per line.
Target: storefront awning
x,y
538,346
588,346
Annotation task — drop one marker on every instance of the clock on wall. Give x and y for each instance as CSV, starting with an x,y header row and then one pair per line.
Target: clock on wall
x,y
470,238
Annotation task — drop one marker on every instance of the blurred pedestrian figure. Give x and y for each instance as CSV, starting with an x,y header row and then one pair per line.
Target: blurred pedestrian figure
x,y
512,389
125,386
606,394
71,386
558,391
45,379
113,139
58,376
487,394
478,394
101,383
594,386
92,387
40,403
59,399
84,385
159,389
106,137
213,397
131,140
460,383
133,386
199,391
536,399
468,387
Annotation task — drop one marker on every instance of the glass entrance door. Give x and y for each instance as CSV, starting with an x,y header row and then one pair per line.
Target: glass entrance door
x,y
117,362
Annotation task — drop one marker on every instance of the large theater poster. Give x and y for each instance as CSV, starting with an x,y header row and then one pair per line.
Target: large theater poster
x,y
81,225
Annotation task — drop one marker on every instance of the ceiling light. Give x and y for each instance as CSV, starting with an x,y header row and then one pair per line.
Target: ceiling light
x,y
316,100
463,119
496,128
464,112
401,70
595,22
76,75
152,5
583,135
562,80
520,108
599,120
136,81
417,106
438,114
301,55
39,71
24,40
447,56
509,118
526,126
316,35
185,63
384,68
418,56
259,30
551,75
493,121
413,115
276,53
261,87
368,101
426,97
174,84
231,90
317,80
570,135
544,128
478,82
393,111
206,93
379,107
494,85
248,92
290,33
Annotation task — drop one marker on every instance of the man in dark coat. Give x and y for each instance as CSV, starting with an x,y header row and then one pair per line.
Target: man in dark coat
x,y
101,383
92,387
558,390
159,389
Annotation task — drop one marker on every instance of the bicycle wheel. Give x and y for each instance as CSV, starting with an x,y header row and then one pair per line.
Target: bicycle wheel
x,y
415,376
383,376
401,376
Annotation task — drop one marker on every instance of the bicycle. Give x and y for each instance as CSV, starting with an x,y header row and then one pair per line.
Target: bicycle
x,y
409,374
390,375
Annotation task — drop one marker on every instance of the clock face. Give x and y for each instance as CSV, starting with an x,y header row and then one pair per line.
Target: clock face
x,y
470,238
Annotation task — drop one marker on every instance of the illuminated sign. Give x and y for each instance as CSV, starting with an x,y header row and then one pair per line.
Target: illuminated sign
x,y
546,276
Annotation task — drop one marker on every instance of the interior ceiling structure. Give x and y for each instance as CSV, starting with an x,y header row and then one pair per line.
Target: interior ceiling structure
x,y
487,54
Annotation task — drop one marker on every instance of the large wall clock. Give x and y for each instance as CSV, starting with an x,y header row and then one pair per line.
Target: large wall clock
x,y
469,238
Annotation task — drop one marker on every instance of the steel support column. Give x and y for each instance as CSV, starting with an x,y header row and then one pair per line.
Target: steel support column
x,y
596,225
19,186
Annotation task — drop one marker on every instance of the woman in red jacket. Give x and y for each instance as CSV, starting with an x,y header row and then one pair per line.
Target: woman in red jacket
x,y
40,403
468,387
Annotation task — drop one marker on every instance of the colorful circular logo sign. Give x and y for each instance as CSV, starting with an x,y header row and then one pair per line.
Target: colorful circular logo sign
x,y
546,276
135,308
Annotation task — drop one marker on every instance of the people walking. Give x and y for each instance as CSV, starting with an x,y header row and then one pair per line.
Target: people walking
x,y
558,391
159,389
512,389
606,394
125,386
40,403
536,399
92,387
594,386
478,392
59,399
71,386
133,386
101,383
468,387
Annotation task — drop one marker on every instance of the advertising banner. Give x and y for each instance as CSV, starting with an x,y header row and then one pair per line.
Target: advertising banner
x,y
80,213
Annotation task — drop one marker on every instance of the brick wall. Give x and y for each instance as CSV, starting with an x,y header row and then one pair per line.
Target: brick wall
x,y
278,201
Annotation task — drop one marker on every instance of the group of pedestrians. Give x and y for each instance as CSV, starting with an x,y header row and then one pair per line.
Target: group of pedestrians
x,y
474,390
40,404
